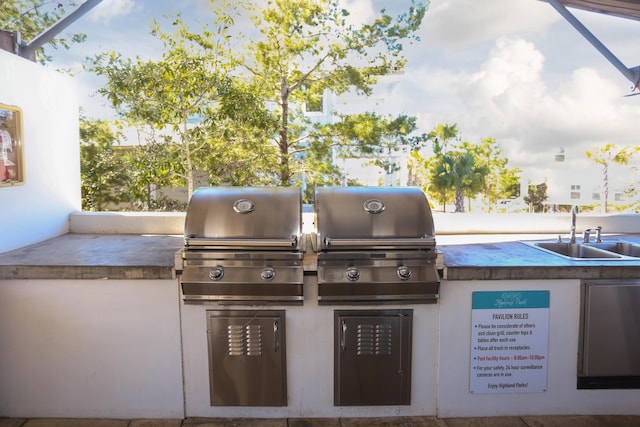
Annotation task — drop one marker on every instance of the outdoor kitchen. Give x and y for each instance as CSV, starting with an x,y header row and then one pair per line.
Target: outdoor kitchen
x,y
253,305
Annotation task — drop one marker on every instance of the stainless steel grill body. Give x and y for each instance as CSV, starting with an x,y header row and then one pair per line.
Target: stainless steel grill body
x,y
376,245
243,246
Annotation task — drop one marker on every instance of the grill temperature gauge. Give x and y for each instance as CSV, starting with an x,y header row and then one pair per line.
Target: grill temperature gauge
x,y
353,274
267,274
404,272
216,273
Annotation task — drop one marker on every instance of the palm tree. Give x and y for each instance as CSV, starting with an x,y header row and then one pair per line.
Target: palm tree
x,y
605,156
458,171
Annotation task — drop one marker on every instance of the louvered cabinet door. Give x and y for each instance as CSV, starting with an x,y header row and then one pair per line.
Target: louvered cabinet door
x,y
372,357
247,357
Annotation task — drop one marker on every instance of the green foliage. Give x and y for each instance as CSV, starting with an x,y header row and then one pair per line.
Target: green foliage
x,y
307,46
607,155
461,169
537,195
235,112
190,94
500,181
32,17
103,174
152,165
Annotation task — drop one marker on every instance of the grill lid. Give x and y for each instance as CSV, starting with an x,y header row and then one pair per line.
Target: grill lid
x,y
373,217
249,218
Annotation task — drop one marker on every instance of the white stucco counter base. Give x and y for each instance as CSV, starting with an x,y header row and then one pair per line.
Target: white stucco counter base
x,y
561,396
310,344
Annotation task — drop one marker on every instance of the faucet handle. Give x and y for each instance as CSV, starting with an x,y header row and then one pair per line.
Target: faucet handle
x,y
585,235
599,234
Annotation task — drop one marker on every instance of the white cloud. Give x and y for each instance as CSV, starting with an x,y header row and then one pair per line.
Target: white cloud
x,y
458,22
109,9
360,11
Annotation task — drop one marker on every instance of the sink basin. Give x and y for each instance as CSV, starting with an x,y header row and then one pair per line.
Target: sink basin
x,y
622,248
576,250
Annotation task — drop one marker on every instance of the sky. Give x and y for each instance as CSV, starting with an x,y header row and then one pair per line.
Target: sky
x,y
513,70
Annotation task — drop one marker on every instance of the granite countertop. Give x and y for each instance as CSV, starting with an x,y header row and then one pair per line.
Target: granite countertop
x,y
107,256
93,256
514,260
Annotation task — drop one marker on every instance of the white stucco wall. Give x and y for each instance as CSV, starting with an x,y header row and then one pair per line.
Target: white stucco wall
x,y
40,208
90,349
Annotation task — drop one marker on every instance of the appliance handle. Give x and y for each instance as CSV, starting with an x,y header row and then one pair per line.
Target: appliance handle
x,y
409,241
281,243
276,336
343,336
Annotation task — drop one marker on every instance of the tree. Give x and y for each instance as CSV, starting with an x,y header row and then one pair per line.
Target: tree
x,y
307,46
500,182
32,17
607,155
189,94
369,135
103,174
458,170
463,169
536,197
152,165
440,137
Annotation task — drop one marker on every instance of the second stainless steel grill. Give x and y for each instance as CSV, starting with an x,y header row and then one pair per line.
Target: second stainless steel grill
x,y
376,245
243,246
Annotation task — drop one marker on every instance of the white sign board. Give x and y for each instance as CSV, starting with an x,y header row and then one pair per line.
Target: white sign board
x,y
509,341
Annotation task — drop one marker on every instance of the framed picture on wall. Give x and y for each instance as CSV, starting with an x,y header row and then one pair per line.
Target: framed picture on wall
x,y
11,149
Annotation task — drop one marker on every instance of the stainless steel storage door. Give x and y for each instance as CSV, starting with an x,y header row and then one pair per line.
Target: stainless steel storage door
x,y
611,331
247,357
372,357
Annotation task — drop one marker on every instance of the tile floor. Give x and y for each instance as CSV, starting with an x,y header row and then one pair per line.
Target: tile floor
x,y
530,421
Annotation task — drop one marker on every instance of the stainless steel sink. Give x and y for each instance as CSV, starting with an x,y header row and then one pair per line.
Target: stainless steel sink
x,y
576,250
612,250
622,248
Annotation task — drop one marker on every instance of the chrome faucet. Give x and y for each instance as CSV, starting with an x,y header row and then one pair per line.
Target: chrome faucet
x,y
574,214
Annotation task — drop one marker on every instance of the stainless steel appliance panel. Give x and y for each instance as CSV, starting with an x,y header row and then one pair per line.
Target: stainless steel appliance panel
x,y
372,357
247,357
244,216
610,335
358,216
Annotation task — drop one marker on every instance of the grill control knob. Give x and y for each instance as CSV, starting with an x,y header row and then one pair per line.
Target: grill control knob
x,y
267,274
353,274
216,273
404,272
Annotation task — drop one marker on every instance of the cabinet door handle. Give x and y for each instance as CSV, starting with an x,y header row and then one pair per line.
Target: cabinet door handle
x,y
343,337
276,336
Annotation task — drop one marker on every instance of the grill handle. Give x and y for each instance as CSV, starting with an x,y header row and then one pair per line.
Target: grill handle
x,y
409,241
280,243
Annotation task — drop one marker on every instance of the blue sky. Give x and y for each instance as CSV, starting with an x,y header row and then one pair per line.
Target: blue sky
x,y
513,70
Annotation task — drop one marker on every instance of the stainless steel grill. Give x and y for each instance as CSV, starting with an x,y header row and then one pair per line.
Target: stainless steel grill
x,y
243,246
376,245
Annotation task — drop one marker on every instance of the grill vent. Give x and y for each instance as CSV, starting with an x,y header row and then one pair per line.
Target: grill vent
x,y
374,340
244,340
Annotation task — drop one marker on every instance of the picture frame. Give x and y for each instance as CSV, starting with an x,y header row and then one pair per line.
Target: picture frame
x,y
11,146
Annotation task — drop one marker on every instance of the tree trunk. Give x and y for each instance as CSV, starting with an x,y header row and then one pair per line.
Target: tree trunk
x,y
189,161
459,200
283,143
606,187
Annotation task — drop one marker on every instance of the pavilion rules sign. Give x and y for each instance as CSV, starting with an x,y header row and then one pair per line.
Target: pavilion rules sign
x,y
509,341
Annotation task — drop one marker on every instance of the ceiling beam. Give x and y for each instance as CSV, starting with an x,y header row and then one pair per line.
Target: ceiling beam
x,y
632,74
